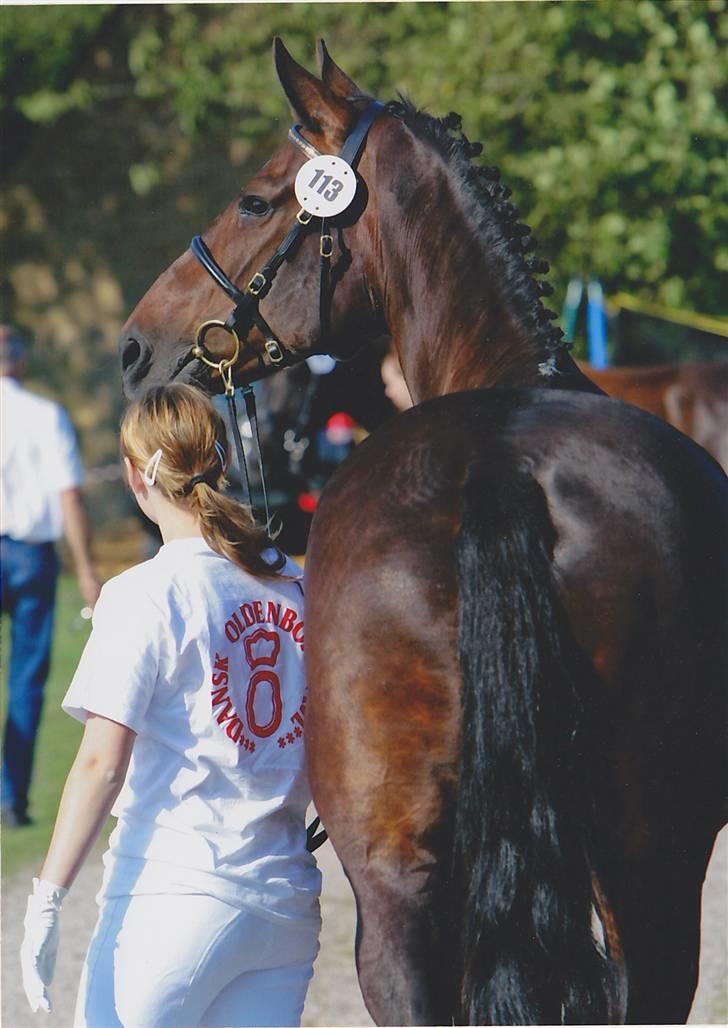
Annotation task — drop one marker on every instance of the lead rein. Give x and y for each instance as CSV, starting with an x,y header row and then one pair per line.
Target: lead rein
x,y
252,415
240,452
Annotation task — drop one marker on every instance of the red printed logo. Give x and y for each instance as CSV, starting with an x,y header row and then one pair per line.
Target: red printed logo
x,y
263,695
227,714
258,640
269,694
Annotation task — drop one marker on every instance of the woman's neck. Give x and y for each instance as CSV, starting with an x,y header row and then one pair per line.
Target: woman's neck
x,y
176,522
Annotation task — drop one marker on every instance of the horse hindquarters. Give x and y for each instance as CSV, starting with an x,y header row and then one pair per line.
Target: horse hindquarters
x,y
524,805
498,931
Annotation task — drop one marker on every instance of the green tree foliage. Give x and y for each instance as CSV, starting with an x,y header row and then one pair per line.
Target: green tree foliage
x,y
127,127
40,50
607,117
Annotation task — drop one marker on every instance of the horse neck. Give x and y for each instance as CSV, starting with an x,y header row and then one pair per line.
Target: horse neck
x,y
449,301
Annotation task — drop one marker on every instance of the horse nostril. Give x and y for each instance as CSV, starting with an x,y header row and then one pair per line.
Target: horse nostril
x,y
135,357
131,354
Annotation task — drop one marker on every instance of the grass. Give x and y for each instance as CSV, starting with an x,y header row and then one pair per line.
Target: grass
x,y
58,737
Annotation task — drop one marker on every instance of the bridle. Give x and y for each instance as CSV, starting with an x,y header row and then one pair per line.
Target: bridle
x,y
246,313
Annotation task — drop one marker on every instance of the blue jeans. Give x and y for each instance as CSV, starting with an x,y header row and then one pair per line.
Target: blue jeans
x,y
29,576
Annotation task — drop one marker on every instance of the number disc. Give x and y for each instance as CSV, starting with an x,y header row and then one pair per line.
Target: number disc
x,y
325,186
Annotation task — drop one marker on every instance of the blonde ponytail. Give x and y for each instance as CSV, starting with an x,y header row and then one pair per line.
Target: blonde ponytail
x,y
228,528
183,424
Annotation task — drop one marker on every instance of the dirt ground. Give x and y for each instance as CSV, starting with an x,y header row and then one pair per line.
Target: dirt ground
x,y
334,997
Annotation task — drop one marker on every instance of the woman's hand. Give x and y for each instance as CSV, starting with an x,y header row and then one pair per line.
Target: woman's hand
x,y
40,942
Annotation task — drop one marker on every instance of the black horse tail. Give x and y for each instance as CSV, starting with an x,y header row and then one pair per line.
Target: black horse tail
x,y
524,808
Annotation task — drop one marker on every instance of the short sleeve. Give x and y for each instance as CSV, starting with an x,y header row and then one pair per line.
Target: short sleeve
x,y
66,467
120,665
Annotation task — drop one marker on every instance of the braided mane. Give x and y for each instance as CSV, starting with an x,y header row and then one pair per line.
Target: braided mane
x,y
497,221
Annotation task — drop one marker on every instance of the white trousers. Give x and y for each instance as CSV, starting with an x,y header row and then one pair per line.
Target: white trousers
x,y
186,961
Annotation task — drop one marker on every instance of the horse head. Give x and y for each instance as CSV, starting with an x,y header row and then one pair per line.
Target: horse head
x,y
317,297
418,244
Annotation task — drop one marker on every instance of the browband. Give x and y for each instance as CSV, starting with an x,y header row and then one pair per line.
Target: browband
x,y
354,141
295,137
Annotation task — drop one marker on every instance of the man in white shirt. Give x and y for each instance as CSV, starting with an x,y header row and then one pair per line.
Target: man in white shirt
x,y
40,500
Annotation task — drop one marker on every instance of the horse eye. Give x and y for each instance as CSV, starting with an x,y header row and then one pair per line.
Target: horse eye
x,y
255,205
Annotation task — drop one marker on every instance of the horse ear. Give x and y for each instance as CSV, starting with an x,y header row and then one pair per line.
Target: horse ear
x,y
332,75
311,100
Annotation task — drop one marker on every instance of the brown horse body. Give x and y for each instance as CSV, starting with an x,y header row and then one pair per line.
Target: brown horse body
x,y
386,680
514,605
692,397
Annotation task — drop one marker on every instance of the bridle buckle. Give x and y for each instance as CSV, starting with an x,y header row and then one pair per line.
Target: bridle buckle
x,y
326,249
274,351
303,217
257,284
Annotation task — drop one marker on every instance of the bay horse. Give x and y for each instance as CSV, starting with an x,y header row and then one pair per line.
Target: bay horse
x,y
515,596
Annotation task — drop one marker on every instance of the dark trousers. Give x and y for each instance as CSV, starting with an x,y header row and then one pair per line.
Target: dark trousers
x,y
29,576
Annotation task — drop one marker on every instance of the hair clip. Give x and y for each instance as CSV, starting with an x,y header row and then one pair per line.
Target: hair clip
x,y
150,471
221,455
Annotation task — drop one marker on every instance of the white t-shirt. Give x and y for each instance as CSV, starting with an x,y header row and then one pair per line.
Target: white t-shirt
x,y
205,663
39,458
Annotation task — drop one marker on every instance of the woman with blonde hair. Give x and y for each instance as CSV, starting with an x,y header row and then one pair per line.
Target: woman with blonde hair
x,y
192,690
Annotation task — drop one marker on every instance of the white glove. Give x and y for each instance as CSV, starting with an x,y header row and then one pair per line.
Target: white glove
x,y
40,942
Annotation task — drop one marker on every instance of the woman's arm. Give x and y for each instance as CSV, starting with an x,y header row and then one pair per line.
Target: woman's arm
x,y
93,784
